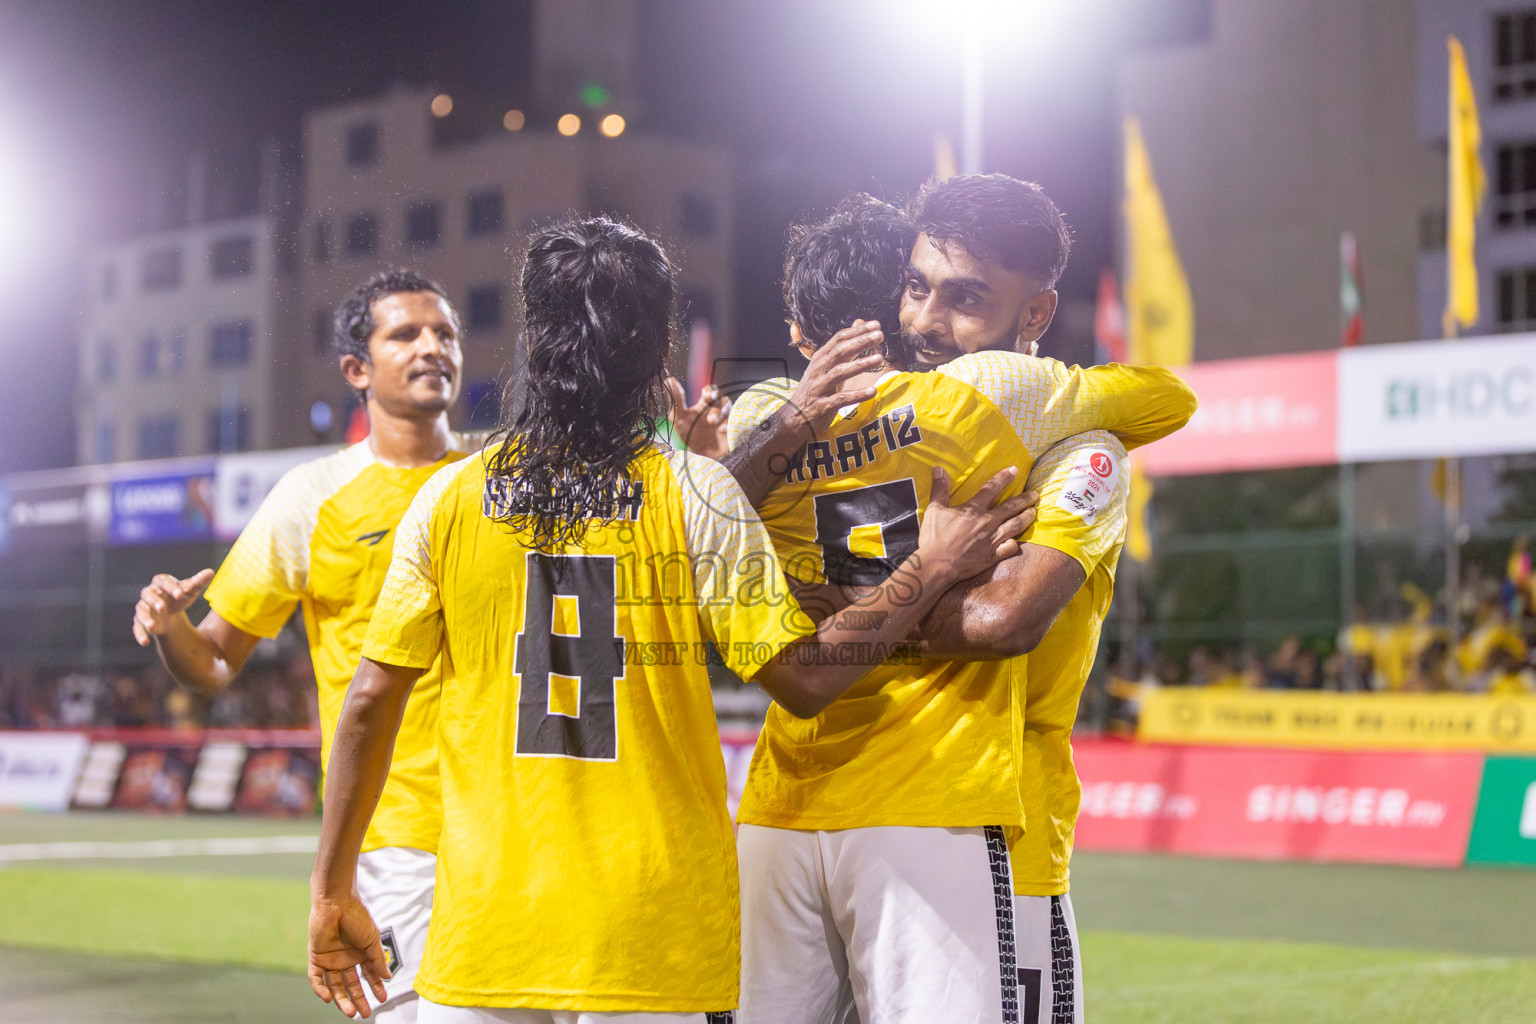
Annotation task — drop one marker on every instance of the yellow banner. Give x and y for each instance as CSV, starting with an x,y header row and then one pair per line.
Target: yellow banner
x,y
1342,721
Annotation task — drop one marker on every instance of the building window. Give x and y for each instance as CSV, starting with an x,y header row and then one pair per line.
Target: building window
x,y
159,437
103,449
483,307
149,356
231,257
162,269
322,242
230,343
176,351
484,399
1516,299
1514,56
106,362
482,215
698,215
362,237
229,429
423,224
322,332
109,282
1514,204
363,144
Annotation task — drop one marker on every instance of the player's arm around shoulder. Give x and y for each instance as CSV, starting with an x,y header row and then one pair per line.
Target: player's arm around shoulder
x,y
1083,486
1141,404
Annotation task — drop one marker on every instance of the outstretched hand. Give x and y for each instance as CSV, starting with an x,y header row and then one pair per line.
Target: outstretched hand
x,y
163,600
702,425
343,940
975,535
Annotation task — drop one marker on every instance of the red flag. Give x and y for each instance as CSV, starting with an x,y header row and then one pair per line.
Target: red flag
x,y
701,357
1109,320
1351,293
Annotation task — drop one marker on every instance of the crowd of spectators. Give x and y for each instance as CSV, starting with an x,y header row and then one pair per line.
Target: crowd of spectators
x,y
276,694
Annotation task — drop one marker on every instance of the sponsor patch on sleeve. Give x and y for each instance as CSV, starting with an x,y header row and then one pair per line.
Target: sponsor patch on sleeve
x,y
1090,484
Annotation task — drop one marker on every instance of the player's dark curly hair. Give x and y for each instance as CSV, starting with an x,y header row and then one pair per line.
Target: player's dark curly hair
x,y
354,317
996,218
598,302
850,266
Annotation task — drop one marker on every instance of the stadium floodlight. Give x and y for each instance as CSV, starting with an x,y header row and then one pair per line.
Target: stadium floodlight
x,y
1021,28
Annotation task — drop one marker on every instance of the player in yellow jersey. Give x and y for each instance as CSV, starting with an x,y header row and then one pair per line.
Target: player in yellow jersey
x,y
1083,485
573,576
844,816
322,541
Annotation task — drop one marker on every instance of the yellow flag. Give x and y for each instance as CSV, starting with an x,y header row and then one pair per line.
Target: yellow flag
x,y
1160,315
1159,312
1465,183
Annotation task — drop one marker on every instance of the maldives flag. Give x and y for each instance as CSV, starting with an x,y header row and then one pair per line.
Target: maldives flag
x,y
1351,296
1109,321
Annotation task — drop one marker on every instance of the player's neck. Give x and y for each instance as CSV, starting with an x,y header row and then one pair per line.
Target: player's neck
x,y
408,442
868,378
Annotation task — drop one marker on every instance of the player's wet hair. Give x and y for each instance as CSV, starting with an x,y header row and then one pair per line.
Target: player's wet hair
x,y
598,302
850,266
354,317
998,219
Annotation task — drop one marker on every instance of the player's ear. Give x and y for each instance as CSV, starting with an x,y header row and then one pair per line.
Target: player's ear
x,y
358,371
1035,318
797,340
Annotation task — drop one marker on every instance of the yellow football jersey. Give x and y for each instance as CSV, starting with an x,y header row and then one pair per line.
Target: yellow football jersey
x,y
587,860
919,743
322,540
1083,486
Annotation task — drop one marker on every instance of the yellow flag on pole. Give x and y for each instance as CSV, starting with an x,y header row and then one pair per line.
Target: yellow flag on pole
x,y
1465,183
1160,315
1159,312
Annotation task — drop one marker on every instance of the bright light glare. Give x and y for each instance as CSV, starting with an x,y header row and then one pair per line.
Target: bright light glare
x,y
25,199
569,124
612,126
513,120
442,105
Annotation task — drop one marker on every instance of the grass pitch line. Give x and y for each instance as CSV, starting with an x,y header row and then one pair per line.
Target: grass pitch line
x,y
155,848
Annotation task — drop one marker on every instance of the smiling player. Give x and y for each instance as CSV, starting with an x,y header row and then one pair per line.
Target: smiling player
x,y
322,541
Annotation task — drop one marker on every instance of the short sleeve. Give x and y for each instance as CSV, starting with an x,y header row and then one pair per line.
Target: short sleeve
x,y
752,407
1083,485
407,625
267,570
745,605
1048,402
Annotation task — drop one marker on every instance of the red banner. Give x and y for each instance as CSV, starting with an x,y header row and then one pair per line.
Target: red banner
x,y
1269,804
1261,413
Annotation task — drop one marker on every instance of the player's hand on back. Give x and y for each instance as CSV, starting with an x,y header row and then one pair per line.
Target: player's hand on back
x,y
702,425
975,535
163,601
849,352
343,940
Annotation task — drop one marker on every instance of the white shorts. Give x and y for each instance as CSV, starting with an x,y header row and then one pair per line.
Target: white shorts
x,y
438,1013
1050,964
395,883
915,923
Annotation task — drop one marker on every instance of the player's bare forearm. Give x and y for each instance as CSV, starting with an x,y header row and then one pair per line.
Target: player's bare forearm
x,y
1004,612
771,444
205,658
359,764
954,543
814,671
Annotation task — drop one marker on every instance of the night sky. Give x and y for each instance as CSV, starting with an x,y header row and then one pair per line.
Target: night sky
x,y
816,99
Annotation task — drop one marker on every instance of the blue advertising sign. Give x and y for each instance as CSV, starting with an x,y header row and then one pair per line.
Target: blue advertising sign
x,y
162,509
